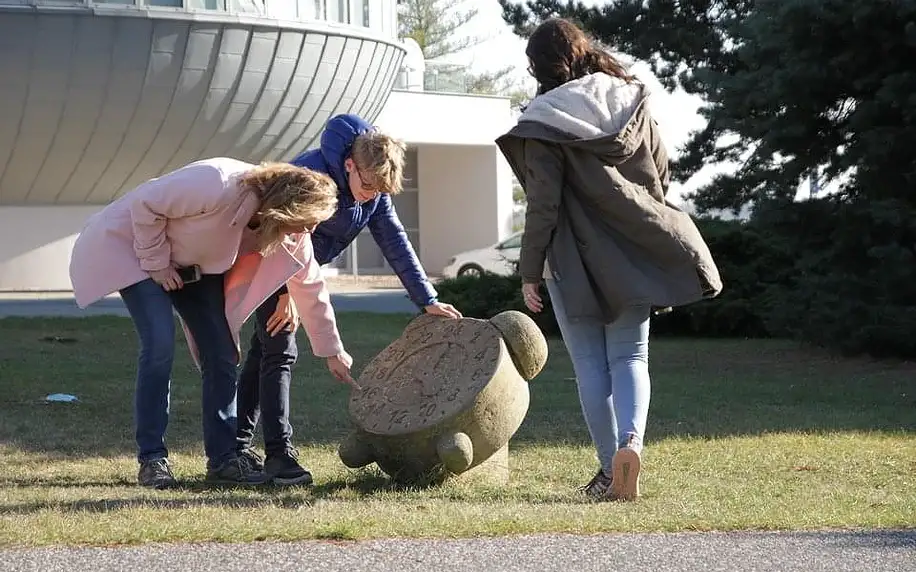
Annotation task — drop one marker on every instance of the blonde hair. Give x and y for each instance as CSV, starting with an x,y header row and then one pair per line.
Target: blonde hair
x,y
290,196
380,158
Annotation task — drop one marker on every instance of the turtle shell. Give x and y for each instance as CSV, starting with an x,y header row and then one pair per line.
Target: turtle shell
x,y
434,371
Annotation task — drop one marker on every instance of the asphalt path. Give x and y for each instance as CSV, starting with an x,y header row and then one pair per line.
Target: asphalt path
x,y
827,551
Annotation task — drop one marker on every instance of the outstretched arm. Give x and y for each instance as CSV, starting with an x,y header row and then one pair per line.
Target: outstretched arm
x,y
310,294
391,237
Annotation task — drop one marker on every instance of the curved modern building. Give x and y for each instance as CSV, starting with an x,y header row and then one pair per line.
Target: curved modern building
x,y
99,96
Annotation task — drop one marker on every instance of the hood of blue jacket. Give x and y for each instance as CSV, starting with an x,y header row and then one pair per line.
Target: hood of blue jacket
x,y
337,145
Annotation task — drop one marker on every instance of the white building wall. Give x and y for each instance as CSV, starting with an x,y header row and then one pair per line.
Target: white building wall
x,y
35,245
465,200
447,118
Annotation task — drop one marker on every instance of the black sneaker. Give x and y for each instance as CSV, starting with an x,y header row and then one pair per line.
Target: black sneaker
x,y
284,469
250,456
156,474
598,487
235,472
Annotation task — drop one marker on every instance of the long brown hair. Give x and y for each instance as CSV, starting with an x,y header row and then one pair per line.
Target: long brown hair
x,y
290,196
560,52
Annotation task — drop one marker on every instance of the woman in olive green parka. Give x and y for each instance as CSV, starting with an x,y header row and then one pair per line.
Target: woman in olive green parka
x,y
599,231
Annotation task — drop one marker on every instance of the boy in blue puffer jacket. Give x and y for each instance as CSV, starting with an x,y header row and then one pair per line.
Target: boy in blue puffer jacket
x,y
367,166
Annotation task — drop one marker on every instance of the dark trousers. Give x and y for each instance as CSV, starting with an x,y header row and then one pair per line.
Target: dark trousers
x,y
264,384
201,306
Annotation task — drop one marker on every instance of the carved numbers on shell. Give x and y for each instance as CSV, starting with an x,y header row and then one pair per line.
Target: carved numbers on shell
x,y
428,375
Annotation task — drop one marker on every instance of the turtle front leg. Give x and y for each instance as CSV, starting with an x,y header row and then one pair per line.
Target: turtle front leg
x,y
456,452
355,452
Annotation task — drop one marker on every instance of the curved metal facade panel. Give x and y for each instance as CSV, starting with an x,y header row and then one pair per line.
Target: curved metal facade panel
x,y
96,104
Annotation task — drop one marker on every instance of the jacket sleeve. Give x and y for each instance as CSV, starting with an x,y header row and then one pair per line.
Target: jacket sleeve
x,y
391,237
192,190
660,157
310,293
543,187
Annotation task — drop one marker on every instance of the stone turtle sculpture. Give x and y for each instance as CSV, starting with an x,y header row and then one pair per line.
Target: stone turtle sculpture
x,y
444,397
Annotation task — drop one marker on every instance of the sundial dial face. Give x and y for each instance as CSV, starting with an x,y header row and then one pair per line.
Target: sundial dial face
x,y
430,373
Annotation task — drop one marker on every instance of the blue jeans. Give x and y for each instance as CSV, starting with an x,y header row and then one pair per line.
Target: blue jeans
x,y
611,363
201,306
264,384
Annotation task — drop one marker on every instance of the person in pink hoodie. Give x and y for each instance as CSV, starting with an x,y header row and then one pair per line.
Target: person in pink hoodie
x,y
176,242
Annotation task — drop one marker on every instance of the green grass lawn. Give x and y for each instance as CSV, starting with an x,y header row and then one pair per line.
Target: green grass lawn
x,y
742,435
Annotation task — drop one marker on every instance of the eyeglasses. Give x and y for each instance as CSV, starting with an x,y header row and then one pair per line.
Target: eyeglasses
x,y
363,184
368,189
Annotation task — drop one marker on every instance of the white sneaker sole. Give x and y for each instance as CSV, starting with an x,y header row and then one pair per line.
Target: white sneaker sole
x,y
625,468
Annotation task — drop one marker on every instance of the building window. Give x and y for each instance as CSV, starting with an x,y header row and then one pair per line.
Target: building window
x,y
366,13
321,12
170,3
306,9
247,7
207,4
283,9
336,10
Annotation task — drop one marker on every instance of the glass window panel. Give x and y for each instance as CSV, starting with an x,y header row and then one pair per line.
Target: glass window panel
x,y
171,3
407,205
343,11
207,4
307,9
283,9
368,254
342,262
333,10
411,179
248,7
414,237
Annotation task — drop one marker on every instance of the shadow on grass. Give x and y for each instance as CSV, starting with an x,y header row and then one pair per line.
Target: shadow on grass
x,y
701,388
119,504
364,484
